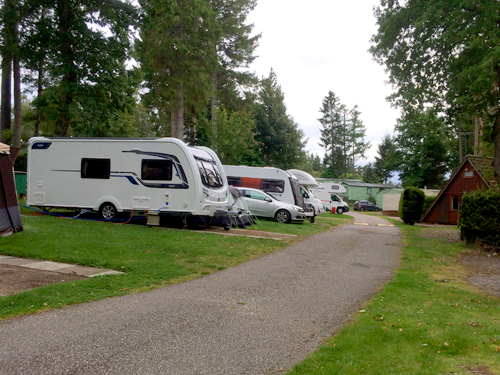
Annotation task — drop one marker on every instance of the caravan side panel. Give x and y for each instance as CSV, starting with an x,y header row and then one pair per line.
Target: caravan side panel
x,y
140,175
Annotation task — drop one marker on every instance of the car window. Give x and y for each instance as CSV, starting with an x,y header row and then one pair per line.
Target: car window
x,y
256,195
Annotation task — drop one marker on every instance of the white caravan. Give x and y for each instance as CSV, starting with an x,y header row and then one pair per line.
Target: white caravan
x,y
274,181
328,192
109,175
307,182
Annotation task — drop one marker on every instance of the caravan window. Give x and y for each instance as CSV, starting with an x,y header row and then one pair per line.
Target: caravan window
x,y
272,186
210,176
95,168
235,181
154,169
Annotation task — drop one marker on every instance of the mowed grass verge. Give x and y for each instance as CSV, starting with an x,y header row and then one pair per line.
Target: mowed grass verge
x,y
149,257
428,320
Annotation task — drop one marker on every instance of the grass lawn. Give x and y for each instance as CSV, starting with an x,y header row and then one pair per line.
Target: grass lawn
x,y
426,321
150,257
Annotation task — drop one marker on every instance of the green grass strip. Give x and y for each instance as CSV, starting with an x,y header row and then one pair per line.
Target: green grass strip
x,y
426,321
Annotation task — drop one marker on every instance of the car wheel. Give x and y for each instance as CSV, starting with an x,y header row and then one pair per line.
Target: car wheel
x,y
361,209
312,218
376,209
107,211
340,210
283,216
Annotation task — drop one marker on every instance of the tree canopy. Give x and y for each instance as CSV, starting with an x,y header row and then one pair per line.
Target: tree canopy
x,y
445,54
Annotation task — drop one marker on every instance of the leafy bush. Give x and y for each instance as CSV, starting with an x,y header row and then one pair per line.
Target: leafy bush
x,y
372,199
427,202
480,217
411,205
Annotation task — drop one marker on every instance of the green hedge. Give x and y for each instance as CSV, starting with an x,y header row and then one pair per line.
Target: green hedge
x,y
480,217
427,202
411,205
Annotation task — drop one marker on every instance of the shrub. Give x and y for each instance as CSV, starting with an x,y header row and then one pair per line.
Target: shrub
x,y
411,205
480,217
372,199
427,202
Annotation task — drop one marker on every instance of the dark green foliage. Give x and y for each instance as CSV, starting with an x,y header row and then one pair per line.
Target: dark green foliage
x,y
444,54
342,135
372,198
386,163
427,202
411,205
76,52
281,140
423,147
369,174
480,217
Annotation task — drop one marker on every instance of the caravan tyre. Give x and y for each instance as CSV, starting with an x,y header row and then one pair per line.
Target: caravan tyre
x,y
340,210
107,211
283,216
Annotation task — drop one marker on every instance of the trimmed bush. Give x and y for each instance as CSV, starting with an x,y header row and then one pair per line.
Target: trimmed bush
x,y
427,202
480,217
411,205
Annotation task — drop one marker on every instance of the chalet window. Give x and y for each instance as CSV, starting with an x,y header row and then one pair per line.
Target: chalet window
x,y
455,200
369,191
468,173
153,169
335,187
95,168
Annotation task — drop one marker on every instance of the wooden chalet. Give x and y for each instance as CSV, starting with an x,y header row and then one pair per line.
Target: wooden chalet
x,y
473,174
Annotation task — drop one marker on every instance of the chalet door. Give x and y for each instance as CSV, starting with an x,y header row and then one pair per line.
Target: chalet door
x,y
443,210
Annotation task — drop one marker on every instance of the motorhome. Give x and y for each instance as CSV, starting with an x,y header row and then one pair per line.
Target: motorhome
x,y
112,175
307,182
274,181
328,192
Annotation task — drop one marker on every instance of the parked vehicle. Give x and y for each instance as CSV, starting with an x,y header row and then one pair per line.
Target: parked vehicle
x,y
306,182
264,205
112,175
328,194
365,206
274,181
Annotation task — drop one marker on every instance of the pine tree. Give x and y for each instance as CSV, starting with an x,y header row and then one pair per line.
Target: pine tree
x,y
177,54
80,48
385,163
280,138
331,138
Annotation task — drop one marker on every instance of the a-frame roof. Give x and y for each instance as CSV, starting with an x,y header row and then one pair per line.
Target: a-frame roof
x,y
483,167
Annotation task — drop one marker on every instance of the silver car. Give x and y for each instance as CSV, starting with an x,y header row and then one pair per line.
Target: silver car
x,y
263,205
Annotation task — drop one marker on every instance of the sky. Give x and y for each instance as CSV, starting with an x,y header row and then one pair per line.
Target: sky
x,y
318,46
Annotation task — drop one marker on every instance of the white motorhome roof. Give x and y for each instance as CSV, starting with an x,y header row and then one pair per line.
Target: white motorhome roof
x,y
332,187
305,179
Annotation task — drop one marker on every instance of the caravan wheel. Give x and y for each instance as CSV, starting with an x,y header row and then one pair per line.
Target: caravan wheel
x,y
107,211
340,210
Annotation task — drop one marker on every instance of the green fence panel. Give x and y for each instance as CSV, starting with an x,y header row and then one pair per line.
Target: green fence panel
x,y
20,182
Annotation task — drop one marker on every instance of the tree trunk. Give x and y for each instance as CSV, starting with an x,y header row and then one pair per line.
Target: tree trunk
x,y
496,141
69,78
16,136
213,109
39,93
8,20
177,116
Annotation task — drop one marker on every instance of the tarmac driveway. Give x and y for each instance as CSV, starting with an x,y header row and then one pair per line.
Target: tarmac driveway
x,y
261,317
